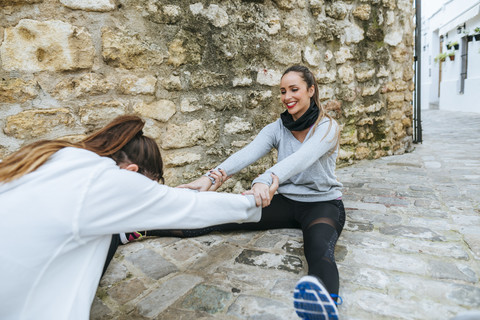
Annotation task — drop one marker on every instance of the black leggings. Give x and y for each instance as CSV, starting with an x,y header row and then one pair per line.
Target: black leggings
x,y
321,223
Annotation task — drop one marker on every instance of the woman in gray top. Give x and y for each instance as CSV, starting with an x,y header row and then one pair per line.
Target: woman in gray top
x,y
309,195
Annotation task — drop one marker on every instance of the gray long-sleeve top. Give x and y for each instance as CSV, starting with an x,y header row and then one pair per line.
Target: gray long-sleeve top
x,y
306,171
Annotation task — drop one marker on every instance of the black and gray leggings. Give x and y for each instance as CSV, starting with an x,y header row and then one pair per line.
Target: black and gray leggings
x,y
321,223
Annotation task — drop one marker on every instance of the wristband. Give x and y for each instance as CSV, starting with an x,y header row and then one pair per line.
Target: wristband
x,y
210,177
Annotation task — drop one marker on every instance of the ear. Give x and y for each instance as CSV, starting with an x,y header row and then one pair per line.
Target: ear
x,y
131,167
311,91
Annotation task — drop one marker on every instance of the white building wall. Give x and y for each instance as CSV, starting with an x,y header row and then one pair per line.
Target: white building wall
x,y
444,23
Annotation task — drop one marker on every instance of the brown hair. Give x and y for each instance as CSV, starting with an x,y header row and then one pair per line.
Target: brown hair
x,y
310,80
122,140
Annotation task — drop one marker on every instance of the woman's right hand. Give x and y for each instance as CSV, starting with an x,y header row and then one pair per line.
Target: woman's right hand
x,y
263,193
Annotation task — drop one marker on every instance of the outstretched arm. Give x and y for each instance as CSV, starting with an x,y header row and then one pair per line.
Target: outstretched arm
x,y
256,149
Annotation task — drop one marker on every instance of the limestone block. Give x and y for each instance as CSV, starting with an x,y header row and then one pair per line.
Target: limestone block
x,y
408,72
172,83
405,6
177,53
344,154
242,81
390,17
346,74
353,34
395,114
161,110
214,13
52,45
400,53
395,97
362,152
237,125
217,16
334,105
391,4
297,25
131,84
370,90
316,6
396,85
90,5
374,107
325,92
223,101
258,98
312,56
32,124
290,4
88,84
204,79
169,14
189,134
283,52
196,8
272,25
348,136
184,49
179,159
189,105
129,51
342,55
17,90
362,12
365,121
382,72
337,10
394,37
325,76
398,129
327,29
347,92
97,114
269,77
364,75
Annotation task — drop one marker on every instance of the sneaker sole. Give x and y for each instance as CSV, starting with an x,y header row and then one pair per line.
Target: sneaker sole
x,y
312,301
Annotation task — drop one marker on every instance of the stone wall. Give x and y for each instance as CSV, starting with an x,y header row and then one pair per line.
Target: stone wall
x,y
204,74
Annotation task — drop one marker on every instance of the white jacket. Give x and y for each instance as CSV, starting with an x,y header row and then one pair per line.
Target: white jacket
x,y
56,225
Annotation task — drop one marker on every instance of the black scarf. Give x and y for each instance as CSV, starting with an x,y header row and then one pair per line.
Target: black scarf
x,y
304,122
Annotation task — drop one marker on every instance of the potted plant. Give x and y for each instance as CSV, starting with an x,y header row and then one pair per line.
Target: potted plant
x,y
455,45
441,57
449,45
469,36
477,34
451,55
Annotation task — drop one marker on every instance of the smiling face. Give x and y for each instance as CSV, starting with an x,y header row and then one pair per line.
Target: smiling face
x,y
295,94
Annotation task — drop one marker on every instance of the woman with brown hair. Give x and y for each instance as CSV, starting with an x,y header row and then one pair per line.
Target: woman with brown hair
x,y
69,198
309,196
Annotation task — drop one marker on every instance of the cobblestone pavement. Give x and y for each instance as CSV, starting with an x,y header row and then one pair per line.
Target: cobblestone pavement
x,y
410,248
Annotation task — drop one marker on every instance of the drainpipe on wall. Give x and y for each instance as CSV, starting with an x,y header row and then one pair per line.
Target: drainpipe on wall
x,y
417,107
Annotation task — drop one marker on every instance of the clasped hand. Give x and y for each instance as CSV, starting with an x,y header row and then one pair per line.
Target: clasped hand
x,y
261,192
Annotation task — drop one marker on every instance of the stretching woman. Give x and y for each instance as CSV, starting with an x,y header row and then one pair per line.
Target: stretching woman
x,y
309,195
69,198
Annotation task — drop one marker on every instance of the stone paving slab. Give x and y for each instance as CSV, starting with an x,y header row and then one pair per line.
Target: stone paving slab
x,y
410,248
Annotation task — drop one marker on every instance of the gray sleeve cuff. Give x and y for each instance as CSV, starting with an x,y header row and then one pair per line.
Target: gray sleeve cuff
x,y
265,178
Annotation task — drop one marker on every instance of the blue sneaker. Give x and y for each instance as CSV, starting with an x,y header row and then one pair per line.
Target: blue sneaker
x,y
312,301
